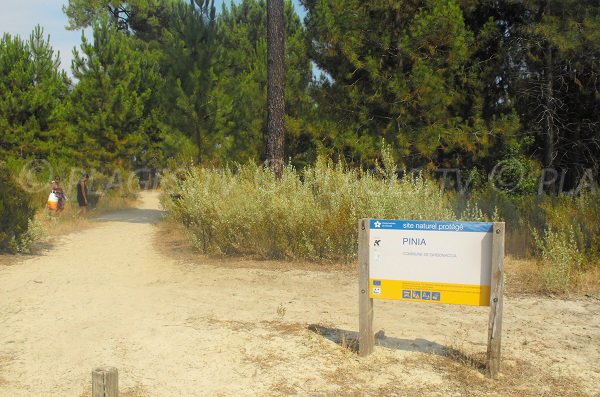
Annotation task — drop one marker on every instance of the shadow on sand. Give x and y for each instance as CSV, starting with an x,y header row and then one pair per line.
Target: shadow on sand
x,y
349,340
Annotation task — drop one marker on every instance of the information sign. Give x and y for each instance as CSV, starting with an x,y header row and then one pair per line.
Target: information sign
x,y
430,261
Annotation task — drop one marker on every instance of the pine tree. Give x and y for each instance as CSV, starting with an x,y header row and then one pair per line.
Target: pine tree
x,y
556,85
32,89
144,18
240,91
400,71
109,105
539,60
188,68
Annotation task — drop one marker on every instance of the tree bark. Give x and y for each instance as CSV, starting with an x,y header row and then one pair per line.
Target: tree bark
x,y
550,127
275,86
198,133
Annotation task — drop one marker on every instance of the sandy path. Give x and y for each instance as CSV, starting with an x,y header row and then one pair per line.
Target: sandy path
x,y
105,296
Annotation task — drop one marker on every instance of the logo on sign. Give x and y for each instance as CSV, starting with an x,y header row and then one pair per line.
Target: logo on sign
x,y
426,295
435,296
377,290
377,224
405,294
416,294
377,283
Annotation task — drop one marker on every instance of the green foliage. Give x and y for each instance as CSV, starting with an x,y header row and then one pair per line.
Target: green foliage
x,y
32,91
16,213
542,63
310,214
144,17
188,68
561,232
401,71
239,95
118,183
580,215
447,84
516,175
26,241
560,259
85,13
111,106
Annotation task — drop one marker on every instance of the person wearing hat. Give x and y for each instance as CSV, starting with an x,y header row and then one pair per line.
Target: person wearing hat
x,y
82,198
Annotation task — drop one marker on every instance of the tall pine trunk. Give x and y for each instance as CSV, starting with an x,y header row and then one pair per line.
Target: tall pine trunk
x,y
550,111
198,136
275,88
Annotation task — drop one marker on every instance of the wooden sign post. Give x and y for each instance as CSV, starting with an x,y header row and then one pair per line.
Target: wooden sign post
x,y
496,301
432,262
366,340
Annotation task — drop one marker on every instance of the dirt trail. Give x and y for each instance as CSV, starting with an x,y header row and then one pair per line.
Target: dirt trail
x,y
106,296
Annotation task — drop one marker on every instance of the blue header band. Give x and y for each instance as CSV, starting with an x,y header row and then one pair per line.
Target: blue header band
x,y
431,226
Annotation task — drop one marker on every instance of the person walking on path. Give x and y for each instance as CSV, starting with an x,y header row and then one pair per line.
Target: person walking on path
x,y
82,191
60,194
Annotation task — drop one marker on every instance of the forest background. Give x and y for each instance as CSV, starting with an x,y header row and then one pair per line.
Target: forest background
x,y
495,105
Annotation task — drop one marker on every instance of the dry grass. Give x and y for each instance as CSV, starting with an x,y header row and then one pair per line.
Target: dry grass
x,y
523,278
63,224
519,242
589,283
283,388
10,259
264,361
304,215
285,328
387,372
278,327
4,360
347,340
172,240
517,377
69,221
136,391
522,275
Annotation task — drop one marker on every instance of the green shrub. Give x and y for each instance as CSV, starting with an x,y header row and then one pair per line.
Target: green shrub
x,y
16,211
529,214
580,214
310,215
521,214
25,242
560,260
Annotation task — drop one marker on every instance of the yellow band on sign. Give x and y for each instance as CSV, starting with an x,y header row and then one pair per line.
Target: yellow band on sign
x,y
417,291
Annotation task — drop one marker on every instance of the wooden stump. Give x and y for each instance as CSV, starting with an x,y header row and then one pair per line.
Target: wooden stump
x,y
105,382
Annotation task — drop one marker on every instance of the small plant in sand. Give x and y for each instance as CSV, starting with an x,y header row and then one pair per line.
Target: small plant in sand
x,y
281,310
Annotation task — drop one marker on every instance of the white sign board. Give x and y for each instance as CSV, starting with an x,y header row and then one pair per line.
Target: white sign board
x,y
430,261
